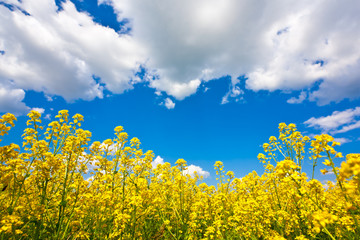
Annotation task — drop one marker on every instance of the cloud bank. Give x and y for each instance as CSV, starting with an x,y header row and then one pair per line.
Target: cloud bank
x,y
62,52
279,45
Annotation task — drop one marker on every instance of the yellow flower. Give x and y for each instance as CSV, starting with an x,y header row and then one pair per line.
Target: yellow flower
x,y
58,185
324,171
327,162
339,155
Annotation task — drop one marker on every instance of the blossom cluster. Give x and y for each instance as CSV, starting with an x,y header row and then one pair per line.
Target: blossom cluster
x,y
60,185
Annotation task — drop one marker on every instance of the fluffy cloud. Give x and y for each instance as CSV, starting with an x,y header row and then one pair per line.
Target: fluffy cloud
x,y
299,99
39,110
286,45
192,169
11,100
64,52
337,122
158,160
169,104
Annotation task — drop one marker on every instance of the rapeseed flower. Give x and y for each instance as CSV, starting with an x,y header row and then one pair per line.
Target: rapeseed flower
x,y
47,192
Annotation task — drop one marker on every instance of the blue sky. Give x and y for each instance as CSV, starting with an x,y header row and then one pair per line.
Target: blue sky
x,y
199,80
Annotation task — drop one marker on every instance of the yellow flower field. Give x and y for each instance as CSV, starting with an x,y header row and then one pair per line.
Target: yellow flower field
x,y
59,186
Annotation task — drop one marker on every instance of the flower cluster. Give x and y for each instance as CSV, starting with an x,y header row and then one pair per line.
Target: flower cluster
x,y
60,185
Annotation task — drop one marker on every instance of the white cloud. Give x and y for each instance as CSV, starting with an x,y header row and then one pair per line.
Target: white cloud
x,y
39,110
348,127
282,44
49,98
225,100
330,172
342,140
300,99
176,89
65,52
337,122
235,92
11,100
191,169
286,45
158,160
169,104
48,116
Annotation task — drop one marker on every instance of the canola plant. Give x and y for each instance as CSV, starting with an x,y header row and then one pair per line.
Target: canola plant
x,y
59,186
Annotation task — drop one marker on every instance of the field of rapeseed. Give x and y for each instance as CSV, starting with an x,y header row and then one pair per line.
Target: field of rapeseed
x,y
58,186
